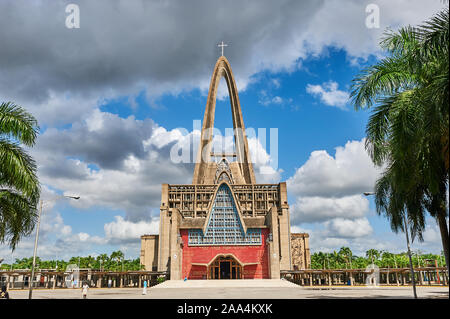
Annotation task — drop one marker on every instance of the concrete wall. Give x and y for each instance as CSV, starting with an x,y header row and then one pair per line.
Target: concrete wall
x,y
149,252
301,258
244,253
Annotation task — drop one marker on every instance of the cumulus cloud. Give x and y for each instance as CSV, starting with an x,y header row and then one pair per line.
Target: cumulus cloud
x,y
349,172
319,209
121,230
104,139
329,94
112,162
52,67
348,228
329,205
328,193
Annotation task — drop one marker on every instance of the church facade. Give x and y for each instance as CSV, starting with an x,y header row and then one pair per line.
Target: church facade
x,y
224,225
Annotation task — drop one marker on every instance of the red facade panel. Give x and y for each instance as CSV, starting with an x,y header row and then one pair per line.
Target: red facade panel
x,y
245,253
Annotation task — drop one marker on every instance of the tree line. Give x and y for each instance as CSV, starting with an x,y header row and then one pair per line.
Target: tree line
x,y
344,259
103,262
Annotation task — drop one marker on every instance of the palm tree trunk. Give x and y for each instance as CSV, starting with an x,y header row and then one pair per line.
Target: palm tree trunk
x,y
410,258
441,219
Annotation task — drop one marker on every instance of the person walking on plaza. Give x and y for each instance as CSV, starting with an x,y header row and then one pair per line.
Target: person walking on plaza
x,y
84,290
144,291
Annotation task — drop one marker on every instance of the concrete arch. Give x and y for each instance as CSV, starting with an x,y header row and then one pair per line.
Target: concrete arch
x,y
203,166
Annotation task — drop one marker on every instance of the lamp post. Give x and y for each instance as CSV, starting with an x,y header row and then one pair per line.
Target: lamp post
x,y
41,204
405,226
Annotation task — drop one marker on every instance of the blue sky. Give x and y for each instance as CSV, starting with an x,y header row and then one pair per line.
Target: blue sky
x,y
111,99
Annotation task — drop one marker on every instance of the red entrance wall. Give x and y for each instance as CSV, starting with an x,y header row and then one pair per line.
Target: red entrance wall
x,y
245,254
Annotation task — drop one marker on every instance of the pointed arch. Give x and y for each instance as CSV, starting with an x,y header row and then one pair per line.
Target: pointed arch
x,y
223,172
223,69
227,187
224,223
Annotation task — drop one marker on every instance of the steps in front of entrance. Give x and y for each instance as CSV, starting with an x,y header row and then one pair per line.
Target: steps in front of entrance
x,y
227,283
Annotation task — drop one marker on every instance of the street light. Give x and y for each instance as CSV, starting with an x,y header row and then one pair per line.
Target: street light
x,y
405,224
36,242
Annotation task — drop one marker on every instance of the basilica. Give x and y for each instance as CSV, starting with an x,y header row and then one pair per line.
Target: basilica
x,y
224,225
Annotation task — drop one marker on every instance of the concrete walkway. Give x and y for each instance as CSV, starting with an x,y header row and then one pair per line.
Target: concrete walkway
x,y
239,289
227,283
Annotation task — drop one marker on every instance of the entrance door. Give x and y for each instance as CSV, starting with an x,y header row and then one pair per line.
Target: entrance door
x,y
225,268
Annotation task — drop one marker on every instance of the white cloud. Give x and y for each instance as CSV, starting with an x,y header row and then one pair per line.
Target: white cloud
x,y
349,172
276,83
263,35
122,230
266,99
348,228
329,94
319,209
130,161
329,200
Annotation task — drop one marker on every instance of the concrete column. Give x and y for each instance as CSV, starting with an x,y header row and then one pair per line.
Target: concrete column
x,y
310,279
329,279
164,231
351,279
175,251
284,227
274,254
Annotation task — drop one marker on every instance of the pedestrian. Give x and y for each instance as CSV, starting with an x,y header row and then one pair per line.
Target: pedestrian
x,y
144,292
84,290
4,294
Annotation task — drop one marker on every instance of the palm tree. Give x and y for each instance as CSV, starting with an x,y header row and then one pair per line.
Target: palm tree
x,y
347,254
322,258
102,259
19,185
373,254
117,256
337,258
408,131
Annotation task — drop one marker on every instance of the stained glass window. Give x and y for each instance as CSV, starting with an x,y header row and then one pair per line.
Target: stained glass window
x,y
224,226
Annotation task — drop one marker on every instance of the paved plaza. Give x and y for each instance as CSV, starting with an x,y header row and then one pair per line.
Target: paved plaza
x,y
237,289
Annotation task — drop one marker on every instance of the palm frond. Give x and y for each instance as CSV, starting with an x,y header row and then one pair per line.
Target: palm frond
x,y
17,217
18,169
18,123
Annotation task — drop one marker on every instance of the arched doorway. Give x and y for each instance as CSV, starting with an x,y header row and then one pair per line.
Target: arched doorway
x,y
225,267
